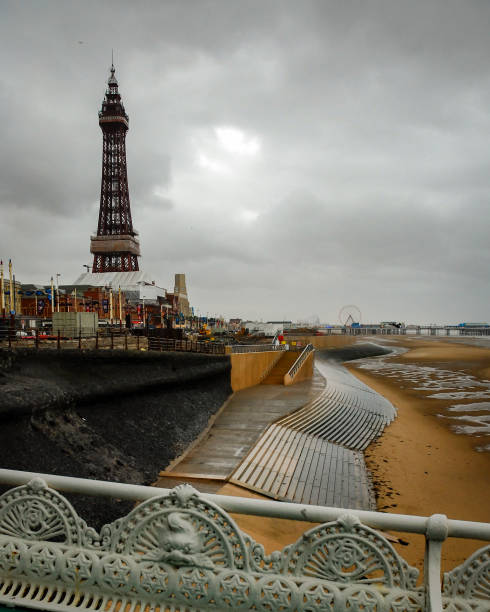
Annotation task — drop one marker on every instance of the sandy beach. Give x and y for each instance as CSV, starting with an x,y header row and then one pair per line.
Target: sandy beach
x,y
434,458
420,465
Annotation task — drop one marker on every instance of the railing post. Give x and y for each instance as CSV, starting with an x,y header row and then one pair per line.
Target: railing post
x,y
36,341
97,340
112,340
435,533
58,340
79,339
125,342
138,343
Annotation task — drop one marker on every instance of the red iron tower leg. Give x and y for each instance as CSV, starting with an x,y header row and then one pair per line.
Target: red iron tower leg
x,y
115,247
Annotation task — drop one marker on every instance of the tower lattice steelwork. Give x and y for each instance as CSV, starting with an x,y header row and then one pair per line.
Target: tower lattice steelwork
x,y
115,247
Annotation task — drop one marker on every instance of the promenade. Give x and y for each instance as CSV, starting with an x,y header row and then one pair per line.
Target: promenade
x,y
233,431
302,443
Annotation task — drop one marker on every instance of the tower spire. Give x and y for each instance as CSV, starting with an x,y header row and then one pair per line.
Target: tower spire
x,y
115,247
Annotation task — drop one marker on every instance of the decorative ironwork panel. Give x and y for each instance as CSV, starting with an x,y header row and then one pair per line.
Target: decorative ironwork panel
x,y
467,587
34,512
347,551
184,552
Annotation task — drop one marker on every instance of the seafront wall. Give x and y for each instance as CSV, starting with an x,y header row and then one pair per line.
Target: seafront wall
x,y
324,342
249,369
107,415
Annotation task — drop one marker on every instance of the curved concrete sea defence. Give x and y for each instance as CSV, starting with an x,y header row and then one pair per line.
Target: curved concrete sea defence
x,y
314,455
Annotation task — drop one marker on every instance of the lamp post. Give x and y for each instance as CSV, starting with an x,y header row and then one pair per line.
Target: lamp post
x,y
58,291
120,306
52,297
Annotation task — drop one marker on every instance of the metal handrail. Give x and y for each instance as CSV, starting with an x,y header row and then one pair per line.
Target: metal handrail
x,y
36,571
257,348
255,507
156,343
293,370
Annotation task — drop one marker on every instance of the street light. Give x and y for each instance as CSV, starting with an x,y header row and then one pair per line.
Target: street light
x,y
58,291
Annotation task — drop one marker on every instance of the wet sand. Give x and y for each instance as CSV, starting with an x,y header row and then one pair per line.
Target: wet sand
x,y
420,465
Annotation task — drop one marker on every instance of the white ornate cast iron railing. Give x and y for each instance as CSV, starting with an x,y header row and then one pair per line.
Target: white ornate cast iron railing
x,y
179,550
295,368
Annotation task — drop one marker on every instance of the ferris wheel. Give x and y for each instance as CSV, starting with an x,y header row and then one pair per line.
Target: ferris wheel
x,y
349,314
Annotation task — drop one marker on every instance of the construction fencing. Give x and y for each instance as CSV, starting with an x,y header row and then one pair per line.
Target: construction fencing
x,y
156,343
120,339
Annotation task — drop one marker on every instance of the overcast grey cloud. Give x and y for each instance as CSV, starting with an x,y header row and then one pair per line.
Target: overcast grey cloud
x,y
289,157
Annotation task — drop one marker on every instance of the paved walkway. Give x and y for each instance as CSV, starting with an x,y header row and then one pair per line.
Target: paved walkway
x,y
237,427
301,443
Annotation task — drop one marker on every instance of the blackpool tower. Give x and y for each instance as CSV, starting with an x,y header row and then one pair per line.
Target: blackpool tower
x,y
115,247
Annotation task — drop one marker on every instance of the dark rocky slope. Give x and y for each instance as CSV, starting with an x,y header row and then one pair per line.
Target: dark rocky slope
x,y
108,415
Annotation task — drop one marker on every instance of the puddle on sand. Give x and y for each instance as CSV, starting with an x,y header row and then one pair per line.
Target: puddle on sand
x,y
442,384
475,407
470,423
462,395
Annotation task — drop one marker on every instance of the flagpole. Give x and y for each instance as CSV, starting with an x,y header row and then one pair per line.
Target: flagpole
x,y
11,288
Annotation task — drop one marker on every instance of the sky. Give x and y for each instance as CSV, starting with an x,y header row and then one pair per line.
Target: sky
x,y
289,157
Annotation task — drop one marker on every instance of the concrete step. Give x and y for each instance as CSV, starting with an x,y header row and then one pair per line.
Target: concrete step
x,y
282,367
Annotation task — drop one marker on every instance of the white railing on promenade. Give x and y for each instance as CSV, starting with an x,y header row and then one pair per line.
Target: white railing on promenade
x,y
180,550
257,348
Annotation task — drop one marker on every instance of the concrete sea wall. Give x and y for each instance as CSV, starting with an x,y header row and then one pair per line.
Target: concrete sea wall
x,y
249,369
324,342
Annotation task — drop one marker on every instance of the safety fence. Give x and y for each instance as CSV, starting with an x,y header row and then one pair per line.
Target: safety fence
x,y
115,338
257,348
156,343
427,330
180,550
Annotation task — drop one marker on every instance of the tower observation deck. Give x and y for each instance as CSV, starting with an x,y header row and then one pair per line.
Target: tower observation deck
x,y
115,247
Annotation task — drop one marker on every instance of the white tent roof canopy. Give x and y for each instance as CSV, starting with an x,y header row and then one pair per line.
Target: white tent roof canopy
x,y
125,280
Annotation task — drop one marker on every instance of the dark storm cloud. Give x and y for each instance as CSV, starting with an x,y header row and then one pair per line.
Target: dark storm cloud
x,y
371,183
